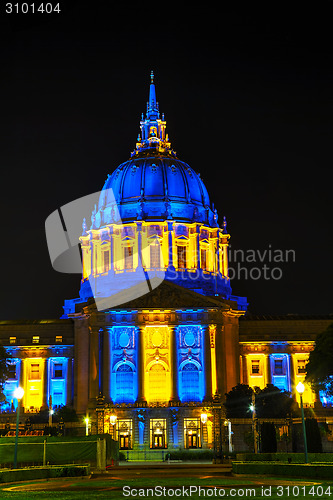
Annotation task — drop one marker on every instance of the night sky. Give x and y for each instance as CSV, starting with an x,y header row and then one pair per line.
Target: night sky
x,y
247,96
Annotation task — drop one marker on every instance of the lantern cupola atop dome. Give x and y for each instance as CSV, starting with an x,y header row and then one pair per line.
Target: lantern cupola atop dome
x,y
153,136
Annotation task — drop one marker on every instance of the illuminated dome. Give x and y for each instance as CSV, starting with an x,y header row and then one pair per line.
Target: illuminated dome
x,y
156,188
154,217
154,184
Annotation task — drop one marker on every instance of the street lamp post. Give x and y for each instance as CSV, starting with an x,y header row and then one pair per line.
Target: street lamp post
x,y
50,413
300,389
254,424
18,394
87,425
113,421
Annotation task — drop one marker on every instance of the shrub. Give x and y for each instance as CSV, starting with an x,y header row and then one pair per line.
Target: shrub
x,y
313,436
268,438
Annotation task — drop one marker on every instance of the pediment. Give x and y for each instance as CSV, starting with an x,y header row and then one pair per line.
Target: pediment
x,y
170,295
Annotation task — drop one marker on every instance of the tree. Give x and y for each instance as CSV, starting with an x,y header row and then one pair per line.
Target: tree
x,y
238,401
313,436
271,402
319,369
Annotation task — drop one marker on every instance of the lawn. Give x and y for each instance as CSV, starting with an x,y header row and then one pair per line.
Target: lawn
x,y
211,487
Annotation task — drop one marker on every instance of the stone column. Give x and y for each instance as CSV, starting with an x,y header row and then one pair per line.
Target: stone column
x,y
69,381
170,230
139,230
22,380
207,340
244,368
140,364
106,363
268,369
221,366
292,375
94,363
174,364
217,252
45,366
81,364
111,250
198,245
231,350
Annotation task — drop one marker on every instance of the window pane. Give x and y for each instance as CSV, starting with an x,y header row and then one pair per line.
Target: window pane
x,y
34,372
203,257
124,384
106,261
157,382
255,366
181,256
190,382
278,368
128,254
155,256
58,370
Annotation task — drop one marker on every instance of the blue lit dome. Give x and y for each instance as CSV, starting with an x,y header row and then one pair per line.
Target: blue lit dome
x,y
154,187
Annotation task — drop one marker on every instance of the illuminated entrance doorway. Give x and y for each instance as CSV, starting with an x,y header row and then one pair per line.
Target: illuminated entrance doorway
x,y
125,434
158,433
192,433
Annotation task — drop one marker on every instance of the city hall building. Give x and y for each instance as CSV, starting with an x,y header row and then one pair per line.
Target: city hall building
x,y
153,369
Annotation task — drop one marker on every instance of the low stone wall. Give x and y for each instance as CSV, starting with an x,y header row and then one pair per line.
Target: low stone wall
x,y
295,458
27,474
313,471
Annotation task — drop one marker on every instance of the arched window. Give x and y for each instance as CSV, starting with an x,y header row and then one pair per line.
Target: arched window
x,y
124,384
190,390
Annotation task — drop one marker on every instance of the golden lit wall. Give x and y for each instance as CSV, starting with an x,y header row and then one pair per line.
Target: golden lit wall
x,y
33,385
299,362
257,370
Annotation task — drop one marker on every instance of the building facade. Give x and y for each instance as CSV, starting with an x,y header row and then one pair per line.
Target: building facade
x,y
152,368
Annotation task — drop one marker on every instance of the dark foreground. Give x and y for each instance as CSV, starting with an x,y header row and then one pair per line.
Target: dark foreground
x,y
167,481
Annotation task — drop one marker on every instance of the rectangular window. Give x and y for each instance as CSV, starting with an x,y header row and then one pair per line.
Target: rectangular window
x,y
35,340
12,340
203,258
106,261
301,366
255,367
158,437
155,256
57,370
181,256
12,371
34,372
58,338
278,367
128,256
